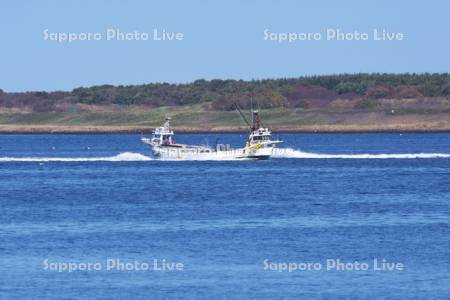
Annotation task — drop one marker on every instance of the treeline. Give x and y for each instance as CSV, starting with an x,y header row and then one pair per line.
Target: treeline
x,y
303,92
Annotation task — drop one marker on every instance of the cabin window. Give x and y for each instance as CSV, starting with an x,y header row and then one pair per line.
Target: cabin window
x,y
166,139
261,138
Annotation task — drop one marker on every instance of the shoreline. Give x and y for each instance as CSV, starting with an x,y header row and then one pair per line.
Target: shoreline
x,y
14,129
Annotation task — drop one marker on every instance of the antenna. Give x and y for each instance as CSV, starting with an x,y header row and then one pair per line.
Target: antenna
x,y
260,124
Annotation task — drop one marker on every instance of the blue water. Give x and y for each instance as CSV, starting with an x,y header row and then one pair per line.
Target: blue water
x,y
223,219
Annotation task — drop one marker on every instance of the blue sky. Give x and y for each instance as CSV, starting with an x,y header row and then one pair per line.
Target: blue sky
x,y
222,39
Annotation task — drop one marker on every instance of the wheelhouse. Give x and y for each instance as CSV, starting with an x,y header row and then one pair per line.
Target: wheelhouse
x,y
163,135
260,135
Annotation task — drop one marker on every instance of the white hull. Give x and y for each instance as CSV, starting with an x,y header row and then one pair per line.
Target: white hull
x,y
186,153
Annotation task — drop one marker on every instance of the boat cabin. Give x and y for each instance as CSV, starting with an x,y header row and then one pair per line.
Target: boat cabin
x,y
260,135
163,135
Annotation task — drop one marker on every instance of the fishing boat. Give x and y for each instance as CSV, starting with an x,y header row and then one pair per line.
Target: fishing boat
x,y
259,145
163,145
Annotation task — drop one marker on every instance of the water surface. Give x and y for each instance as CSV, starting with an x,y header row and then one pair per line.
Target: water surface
x,y
353,197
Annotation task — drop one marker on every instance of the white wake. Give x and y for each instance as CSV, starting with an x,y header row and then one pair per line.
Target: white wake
x,y
292,153
279,153
125,156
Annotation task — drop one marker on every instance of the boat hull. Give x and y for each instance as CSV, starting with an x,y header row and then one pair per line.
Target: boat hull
x,y
210,154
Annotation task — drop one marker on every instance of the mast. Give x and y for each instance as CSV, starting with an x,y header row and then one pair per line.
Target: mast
x,y
256,121
167,123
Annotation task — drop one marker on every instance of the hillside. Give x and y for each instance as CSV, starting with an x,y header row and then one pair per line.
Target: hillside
x,y
348,102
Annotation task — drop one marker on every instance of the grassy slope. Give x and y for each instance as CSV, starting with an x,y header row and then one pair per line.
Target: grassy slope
x,y
196,119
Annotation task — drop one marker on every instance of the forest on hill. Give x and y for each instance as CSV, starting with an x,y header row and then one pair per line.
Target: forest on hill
x,y
355,91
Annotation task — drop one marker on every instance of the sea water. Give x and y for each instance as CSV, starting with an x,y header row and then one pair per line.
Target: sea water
x,y
332,216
